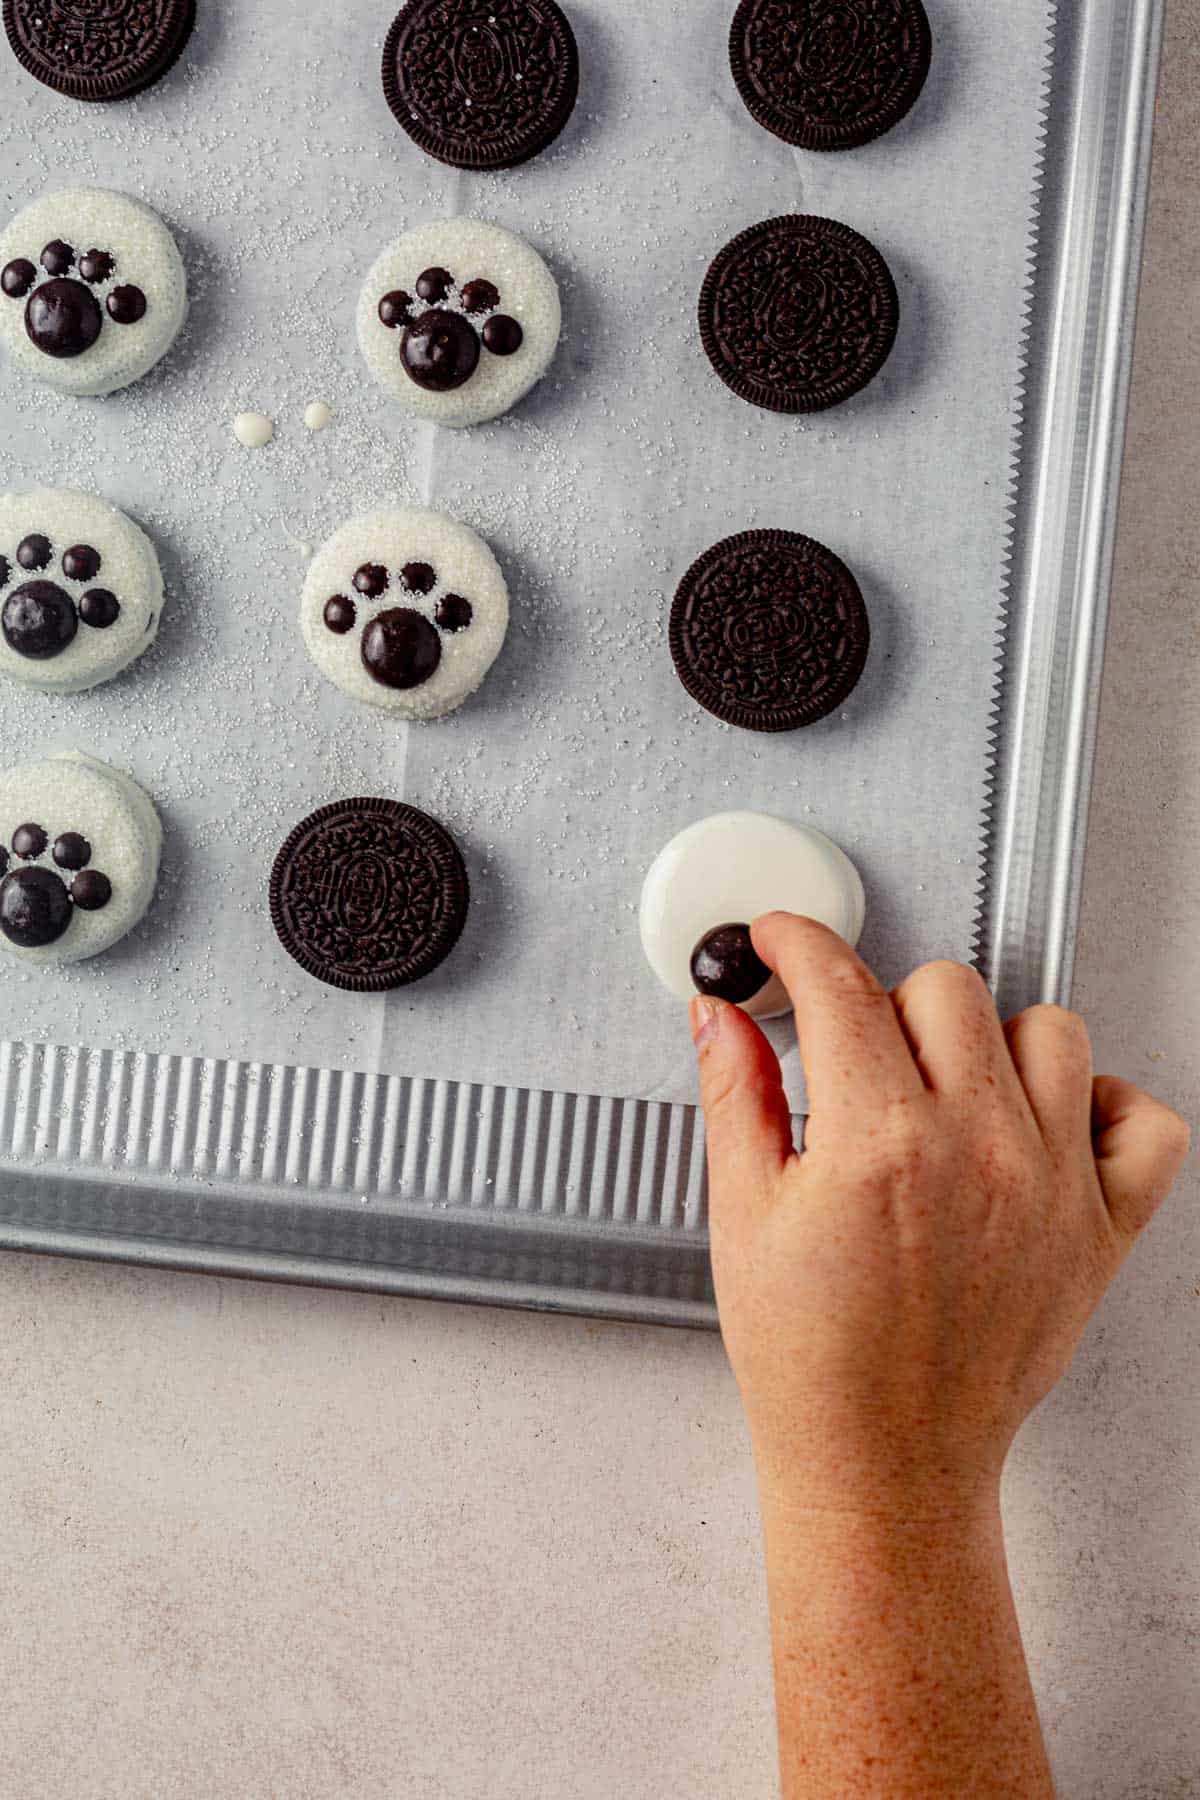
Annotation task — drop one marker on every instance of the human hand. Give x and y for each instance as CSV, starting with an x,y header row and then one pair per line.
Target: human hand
x,y
897,1299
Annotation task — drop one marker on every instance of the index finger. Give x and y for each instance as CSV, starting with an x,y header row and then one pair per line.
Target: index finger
x,y
853,1049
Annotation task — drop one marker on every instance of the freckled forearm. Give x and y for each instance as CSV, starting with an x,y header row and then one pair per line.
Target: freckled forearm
x,y
898,1659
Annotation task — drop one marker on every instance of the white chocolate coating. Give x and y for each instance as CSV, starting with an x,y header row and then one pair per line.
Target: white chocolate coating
x,y
144,255
730,869
70,792
317,415
128,569
253,429
469,250
463,565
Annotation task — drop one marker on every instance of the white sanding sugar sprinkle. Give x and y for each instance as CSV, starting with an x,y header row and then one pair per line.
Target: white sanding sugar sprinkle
x,y
78,794
317,415
253,429
468,250
143,255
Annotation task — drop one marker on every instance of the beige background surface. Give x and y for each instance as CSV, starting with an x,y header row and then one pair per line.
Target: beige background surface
x,y
259,1542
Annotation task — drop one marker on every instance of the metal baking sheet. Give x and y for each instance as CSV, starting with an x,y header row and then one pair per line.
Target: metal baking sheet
x,y
428,1185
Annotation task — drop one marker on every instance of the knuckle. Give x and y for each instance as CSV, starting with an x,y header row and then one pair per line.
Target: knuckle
x,y
950,977
1174,1131
1057,1021
851,981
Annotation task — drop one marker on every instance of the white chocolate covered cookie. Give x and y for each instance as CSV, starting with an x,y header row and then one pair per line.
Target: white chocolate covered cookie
x,y
458,320
81,591
92,290
715,878
79,852
405,609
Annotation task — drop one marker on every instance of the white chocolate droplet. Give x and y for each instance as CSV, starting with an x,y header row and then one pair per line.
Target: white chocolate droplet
x,y
253,429
317,416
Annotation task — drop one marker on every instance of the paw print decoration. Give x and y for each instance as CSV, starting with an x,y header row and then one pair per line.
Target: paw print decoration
x,y
79,852
81,591
92,290
458,320
44,882
405,609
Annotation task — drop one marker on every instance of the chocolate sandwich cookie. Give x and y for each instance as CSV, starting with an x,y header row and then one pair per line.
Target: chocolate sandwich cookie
x,y
798,313
90,52
369,894
481,86
829,76
769,631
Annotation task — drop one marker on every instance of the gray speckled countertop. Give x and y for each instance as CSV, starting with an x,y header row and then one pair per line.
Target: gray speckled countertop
x,y
266,1542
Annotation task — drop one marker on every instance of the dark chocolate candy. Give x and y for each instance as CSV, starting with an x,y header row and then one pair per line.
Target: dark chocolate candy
x,y
726,965
62,317
400,648
38,620
99,608
440,351
35,908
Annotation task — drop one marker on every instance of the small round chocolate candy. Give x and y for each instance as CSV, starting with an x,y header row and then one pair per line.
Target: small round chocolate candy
x,y
419,577
28,841
502,335
35,908
726,965
126,305
99,609
339,614
34,551
3,859
400,648
440,351
433,285
395,309
480,297
95,266
81,563
57,258
71,851
371,580
5,571
454,613
62,318
18,277
38,620
90,890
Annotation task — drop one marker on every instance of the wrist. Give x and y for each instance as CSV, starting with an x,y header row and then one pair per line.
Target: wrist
x,y
878,1495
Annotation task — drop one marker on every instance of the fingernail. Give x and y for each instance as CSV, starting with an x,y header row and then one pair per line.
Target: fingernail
x,y
705,1016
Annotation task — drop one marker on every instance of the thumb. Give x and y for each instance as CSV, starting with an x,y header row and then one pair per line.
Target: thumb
x,y
1140,1146
747,1121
